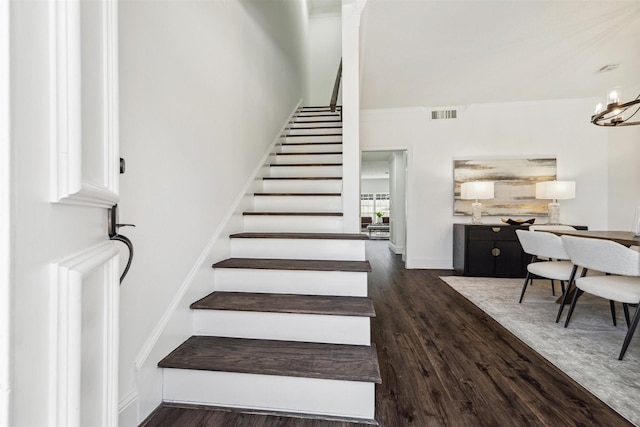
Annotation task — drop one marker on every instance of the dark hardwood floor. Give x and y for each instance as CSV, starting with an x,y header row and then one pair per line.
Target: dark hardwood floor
x,y
443,363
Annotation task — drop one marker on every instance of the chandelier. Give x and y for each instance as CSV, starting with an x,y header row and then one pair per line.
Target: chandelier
x,y
615,113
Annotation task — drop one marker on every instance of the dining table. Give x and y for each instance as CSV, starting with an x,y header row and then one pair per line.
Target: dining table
x,y
626,238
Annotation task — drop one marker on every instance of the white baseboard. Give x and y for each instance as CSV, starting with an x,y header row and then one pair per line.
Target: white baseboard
x,y
128,410
429,263
396,249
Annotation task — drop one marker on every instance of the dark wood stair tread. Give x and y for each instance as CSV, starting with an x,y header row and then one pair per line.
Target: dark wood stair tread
x,y
306,164
331,178
311,143
314,135
287,303
305,114
316,121
320,106
298,194
295,264
315,127
315,236
310,153
293,213
283,358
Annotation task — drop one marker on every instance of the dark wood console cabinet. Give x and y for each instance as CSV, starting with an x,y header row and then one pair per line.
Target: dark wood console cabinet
x,y
491,250
488,250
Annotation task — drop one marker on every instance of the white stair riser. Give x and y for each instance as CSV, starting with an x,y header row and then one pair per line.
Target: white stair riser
x,y
309,148
288,159
337,250
315,125
270,393
313,138
339,283
317,113
306,119
324,130
301,186
290,223
283,326
298,203
305,171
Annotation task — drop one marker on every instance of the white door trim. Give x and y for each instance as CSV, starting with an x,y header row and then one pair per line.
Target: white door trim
x,y
5,223
69,185
66,335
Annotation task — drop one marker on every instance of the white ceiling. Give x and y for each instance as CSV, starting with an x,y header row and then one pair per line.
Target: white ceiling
x,y
435,53
375,164
324,6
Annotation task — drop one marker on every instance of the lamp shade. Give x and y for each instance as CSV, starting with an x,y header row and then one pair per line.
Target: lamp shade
x,y
477,190
556,190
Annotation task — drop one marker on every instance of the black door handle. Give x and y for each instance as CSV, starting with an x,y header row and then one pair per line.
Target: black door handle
x,y
113,227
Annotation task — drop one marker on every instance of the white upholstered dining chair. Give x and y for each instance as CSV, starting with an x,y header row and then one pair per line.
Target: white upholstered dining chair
x,y
549,259
621,283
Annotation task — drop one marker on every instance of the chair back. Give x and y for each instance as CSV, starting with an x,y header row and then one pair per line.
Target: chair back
x,y
550,227
542,244
602,255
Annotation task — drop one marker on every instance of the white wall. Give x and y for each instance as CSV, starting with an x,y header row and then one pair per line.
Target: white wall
x,y
397,186
375,185
325,51
351,14
624,172
527,129
205,87
5,225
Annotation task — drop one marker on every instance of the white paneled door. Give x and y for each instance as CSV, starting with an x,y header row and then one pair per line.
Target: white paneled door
x,y
84,184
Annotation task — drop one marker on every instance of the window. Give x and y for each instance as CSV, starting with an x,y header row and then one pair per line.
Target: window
x,y
367,205
370,203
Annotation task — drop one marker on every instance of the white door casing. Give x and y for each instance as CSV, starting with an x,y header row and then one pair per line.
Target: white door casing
x,y
5,239
85,172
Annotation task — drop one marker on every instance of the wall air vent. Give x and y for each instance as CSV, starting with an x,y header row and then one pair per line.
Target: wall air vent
x,y
444,114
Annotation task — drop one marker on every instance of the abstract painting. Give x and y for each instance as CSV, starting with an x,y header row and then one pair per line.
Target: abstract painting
x,y
514,184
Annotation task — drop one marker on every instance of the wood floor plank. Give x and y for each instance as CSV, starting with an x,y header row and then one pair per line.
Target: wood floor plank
x,y
287,303
294,264
445,362
268,357
174,415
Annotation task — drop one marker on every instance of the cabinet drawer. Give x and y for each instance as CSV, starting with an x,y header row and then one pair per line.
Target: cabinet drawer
x,y
492,232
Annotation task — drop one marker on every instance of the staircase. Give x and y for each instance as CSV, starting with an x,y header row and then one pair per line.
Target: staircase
x,y
287,329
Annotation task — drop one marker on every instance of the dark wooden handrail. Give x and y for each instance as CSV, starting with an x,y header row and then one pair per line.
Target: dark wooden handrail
x,y
336,89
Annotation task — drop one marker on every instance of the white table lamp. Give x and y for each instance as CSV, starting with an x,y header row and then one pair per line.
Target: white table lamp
x,y
476,190
555,190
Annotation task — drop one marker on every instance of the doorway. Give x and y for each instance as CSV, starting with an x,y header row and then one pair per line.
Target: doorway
x,y
383,200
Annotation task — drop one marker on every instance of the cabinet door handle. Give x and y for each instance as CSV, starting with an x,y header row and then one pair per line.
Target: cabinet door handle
x,y
495,251
496,229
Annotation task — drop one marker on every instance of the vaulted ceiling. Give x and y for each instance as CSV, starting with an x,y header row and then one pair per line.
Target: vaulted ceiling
x,y
435,53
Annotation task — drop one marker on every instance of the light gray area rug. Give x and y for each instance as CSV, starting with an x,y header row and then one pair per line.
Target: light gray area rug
x,y
587,350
